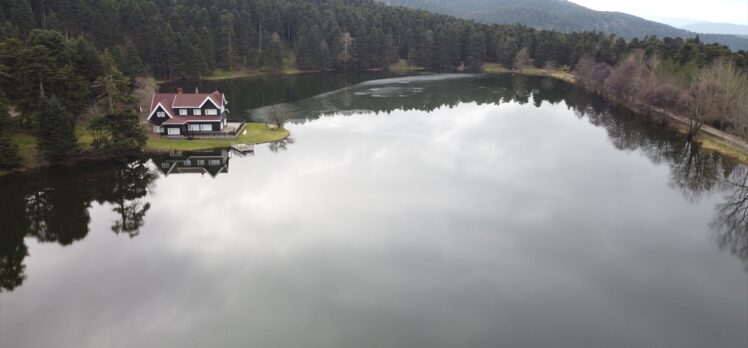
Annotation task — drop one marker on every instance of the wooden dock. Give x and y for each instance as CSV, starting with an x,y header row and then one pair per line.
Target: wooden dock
x,y
243,148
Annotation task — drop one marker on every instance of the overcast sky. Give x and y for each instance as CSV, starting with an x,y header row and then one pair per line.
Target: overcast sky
x,y
727,11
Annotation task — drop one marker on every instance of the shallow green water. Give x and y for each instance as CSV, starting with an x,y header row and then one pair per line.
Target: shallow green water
x,y
432,211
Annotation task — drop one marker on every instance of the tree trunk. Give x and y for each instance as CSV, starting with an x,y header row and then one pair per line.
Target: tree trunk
x,y
693,129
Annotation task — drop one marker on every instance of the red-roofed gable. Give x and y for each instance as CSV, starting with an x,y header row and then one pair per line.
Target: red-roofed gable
x,y
169,102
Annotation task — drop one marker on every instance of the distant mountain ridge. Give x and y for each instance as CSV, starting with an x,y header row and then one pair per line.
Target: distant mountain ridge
x,y
561,15
718,28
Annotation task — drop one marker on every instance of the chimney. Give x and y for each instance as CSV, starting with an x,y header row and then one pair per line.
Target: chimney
x,y
180,90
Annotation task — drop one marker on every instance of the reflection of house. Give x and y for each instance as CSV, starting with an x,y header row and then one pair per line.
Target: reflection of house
x,y
180,114
212,162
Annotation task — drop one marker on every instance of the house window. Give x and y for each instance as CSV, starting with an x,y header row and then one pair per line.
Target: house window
x,y
158,129
165,165
188,163
206,127
197,112
200,162
161,114
183,112
211,112
214,162
174,131
194,127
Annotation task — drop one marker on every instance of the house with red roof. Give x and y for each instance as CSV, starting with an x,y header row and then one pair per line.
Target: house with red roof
x,y
188,114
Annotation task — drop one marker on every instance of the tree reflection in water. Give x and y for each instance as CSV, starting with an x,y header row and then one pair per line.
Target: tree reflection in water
x,y
280,145
731,222
693,171
130,185
53,207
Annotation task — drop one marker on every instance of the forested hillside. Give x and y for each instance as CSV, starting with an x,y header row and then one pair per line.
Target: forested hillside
x,y
177,39
561,15
60,58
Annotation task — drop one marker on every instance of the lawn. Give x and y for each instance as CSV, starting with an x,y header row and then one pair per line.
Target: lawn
x,y
254,133
493,68
223,74
289,67
403,66
26,141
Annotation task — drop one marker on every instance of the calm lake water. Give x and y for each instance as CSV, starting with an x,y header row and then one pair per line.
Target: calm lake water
x,y
432,211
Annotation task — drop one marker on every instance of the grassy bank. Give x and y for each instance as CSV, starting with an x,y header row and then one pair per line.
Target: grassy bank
x,y
493,68
223,74
255,133
722,147
289,68
402,66
712,139
28,151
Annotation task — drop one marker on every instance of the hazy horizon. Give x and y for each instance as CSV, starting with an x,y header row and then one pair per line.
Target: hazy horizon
x,y
677,13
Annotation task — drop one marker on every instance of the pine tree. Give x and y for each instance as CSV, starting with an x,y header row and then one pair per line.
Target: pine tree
x,y
272,55
476,51
426,48
21,14
334,43
128,59
207,44
8,148
39,60
376,46
390,49
361,51
113,87
56,136
71,89
226,47
190,62
127,137
85,58
442,61
308,48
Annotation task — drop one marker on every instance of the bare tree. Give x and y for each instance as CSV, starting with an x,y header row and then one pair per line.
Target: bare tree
x,y
347,41
626,81
277,118
522,59
701,99
730,105
592,75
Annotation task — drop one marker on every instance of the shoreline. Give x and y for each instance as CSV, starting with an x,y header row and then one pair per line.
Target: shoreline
x,y
402,66
709,138
159,146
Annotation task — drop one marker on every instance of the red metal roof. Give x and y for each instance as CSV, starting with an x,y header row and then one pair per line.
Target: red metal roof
x,y
170,101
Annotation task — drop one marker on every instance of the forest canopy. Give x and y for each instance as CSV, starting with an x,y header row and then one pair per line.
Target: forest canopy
x,y
190,38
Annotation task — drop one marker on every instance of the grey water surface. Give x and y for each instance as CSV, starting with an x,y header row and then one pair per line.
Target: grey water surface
x,y
427,211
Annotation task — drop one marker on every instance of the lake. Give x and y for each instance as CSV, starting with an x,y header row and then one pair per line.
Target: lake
x,y
427,211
